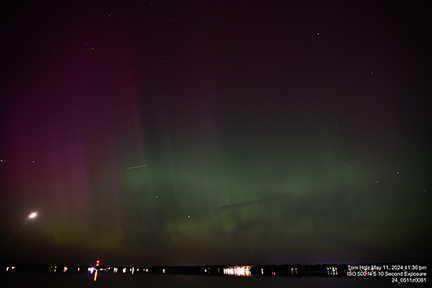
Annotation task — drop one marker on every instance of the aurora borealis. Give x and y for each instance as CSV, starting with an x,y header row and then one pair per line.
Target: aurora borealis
x,y
271,132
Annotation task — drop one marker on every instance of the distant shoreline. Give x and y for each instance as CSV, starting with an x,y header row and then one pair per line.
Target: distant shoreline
x,y
286,270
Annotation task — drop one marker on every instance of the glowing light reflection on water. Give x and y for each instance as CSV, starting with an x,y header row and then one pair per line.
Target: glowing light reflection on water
x,y
238,271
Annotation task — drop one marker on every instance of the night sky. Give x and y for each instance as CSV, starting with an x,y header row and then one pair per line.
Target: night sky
x,y
271,132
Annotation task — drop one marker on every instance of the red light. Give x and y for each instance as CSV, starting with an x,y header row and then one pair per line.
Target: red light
x,y
97,263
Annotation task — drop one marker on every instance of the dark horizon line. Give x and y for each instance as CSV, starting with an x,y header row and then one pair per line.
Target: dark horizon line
x,y
216,265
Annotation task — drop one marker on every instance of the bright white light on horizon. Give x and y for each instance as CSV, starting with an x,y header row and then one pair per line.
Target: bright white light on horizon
x,y
238,271
32,215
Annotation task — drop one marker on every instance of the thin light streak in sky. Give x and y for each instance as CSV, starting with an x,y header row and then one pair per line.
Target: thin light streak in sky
x,y
135,167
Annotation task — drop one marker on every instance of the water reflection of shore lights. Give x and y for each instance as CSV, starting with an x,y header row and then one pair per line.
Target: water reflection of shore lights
x,y
237,271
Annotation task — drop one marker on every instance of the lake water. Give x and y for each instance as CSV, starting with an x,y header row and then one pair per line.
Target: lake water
x,y
184,281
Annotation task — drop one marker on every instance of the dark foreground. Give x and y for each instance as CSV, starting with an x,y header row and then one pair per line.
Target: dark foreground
x,y
180,281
